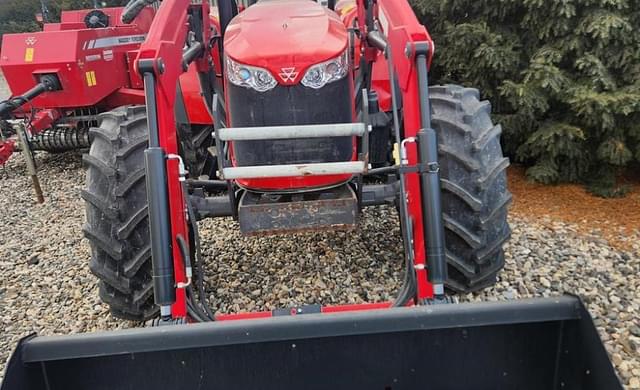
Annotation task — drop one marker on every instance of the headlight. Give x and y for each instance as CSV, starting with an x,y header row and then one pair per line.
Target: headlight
x,y
249,76
327,72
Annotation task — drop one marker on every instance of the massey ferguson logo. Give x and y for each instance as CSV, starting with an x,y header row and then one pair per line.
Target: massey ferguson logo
x,y
288,75
30,41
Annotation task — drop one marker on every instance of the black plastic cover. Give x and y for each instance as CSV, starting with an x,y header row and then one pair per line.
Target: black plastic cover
x,y
286,106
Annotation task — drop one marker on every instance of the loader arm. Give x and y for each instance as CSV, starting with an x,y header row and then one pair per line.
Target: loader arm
x,y
160,62
406,40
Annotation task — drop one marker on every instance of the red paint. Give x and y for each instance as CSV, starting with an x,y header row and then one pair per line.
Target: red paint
x,y
285,34
244,316
6,150
323,309
193,101
43,119
135,80
124,97
356,307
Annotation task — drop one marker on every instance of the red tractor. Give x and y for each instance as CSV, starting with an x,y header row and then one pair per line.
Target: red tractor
x,y
306,101
303,106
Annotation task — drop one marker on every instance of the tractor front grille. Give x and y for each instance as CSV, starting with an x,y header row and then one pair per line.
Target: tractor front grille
x,y
295,105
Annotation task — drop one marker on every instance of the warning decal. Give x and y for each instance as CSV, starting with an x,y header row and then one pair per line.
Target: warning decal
x,y
91,78
28,54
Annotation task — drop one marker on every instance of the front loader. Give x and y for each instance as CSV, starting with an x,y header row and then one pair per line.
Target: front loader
x,y
308,103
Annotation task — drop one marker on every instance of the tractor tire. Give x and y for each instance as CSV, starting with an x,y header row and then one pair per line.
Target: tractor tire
x,y
195,142
116,210
475,198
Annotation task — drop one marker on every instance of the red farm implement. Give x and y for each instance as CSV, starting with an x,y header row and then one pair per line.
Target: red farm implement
x,y
305,102
63,77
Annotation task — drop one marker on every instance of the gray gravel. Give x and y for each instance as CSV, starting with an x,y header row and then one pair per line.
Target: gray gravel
x,y
45,286
4,88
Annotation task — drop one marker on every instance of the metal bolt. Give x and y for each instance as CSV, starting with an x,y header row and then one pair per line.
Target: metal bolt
x,y
408,51
161,67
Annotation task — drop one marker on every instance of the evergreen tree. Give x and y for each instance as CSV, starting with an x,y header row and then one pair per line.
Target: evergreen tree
x,y
563,77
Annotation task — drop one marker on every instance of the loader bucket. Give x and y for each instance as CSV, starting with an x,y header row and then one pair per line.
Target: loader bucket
x,y
529,344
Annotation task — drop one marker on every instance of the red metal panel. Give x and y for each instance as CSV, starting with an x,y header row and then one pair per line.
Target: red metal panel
x,y
6,150
323,309
135,81
143,20
125,97
90,63
356,307
285,34
194,102
244,316
66,26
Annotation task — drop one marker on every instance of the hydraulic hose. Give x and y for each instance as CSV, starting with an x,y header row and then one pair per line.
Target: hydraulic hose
x,y
199,277
192,307
408,289
133,9
199,264
185,255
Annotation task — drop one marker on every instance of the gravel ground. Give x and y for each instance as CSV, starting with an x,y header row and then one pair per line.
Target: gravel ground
x,y
4,88
45,286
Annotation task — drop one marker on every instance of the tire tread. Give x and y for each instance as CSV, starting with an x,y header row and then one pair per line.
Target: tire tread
x,y
116,212
475,198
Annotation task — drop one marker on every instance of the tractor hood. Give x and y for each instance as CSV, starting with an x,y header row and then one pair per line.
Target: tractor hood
x,y
286,37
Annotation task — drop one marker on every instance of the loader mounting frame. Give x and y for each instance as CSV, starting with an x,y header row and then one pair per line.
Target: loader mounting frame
x,y
162,59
